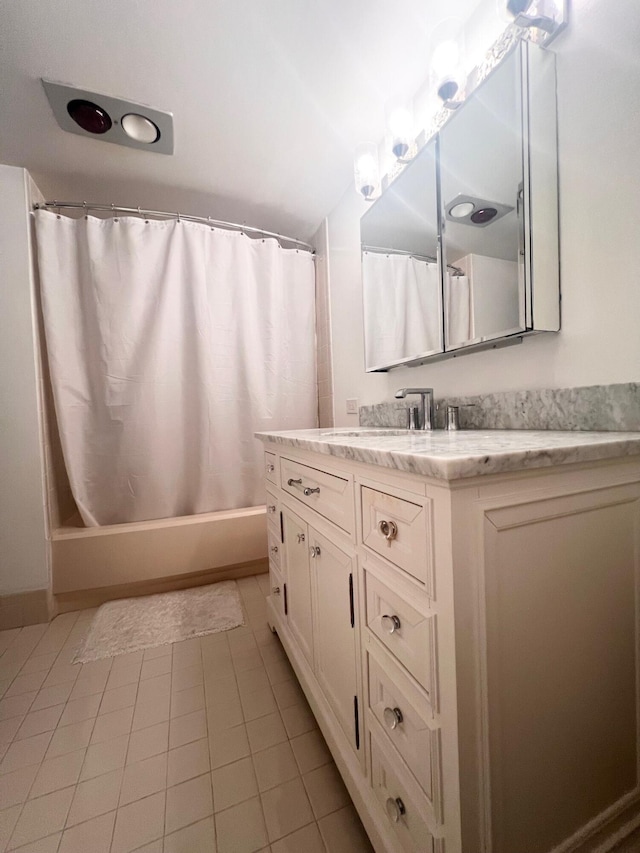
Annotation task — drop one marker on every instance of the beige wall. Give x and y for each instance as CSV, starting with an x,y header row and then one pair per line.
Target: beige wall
x,y
24,550
599,129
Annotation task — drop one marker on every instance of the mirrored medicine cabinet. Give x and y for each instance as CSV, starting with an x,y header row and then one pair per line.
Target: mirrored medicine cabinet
x,y
461,251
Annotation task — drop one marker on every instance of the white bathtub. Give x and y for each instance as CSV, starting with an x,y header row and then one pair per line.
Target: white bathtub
x,y
95,564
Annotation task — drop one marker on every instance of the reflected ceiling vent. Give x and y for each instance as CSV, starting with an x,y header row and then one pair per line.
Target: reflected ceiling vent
x,y
467,210
110,119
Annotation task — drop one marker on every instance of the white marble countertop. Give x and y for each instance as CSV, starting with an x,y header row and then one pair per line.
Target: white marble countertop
x,y
465,453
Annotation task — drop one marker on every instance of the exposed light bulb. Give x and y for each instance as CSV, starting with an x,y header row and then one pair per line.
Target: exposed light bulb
x,y
448,76
446,58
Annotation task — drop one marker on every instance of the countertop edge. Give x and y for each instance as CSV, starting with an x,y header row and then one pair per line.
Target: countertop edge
x,y
460,467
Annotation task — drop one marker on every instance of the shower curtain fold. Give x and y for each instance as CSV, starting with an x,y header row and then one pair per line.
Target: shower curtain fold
x,y
401,306
170,344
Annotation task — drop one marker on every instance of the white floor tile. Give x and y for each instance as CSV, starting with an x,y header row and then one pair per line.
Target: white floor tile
x,y
95,797
41,817
93,835
233,783
241,829
188,802
139,824
56,773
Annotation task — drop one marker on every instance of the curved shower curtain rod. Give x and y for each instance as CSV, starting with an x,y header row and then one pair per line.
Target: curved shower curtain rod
x,y
137,211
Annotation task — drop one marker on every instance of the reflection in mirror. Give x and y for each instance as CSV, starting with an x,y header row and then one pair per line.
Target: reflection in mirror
x,y
402,290
481,174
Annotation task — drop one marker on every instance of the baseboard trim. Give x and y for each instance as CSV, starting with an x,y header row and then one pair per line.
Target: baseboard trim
x,y
25,608
83,599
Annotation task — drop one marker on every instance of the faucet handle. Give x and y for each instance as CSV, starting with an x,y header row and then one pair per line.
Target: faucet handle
x,y
452,420
413,418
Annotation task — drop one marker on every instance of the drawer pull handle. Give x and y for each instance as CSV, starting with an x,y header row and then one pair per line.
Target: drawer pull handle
x,y
391,623
307,491
314,551
275,590
270,468
271,508
393,717
389,530
274,549
301,537
395,809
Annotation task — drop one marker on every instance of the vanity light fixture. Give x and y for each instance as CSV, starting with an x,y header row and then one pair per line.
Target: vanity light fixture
x,y
104,117
550,17
366,171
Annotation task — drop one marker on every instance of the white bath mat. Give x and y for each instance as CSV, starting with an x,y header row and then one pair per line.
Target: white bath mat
x,y
154,620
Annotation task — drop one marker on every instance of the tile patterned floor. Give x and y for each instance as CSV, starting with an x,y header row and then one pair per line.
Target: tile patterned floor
x,y
204,746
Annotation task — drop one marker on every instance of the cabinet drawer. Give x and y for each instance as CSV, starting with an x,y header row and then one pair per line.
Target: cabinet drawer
x,y
273,510
408,634
398,530
400,800
271,467
275,547
404,714
327,494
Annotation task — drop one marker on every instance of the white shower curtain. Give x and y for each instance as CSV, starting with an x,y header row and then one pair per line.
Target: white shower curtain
x,y
401,306
169,344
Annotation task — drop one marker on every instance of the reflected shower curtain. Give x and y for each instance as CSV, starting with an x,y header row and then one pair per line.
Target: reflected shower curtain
x,y
402,307
169,344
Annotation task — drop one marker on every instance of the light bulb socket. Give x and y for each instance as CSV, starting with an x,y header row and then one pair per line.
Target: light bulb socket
x,y
448,89
400,149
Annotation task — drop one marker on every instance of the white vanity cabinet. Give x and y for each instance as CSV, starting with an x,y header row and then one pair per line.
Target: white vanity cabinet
x,y
469,646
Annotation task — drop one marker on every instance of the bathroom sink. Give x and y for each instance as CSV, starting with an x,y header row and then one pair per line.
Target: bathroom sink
x,y
362,433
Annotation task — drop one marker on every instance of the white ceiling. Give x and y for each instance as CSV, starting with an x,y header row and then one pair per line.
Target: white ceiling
x,y
269,97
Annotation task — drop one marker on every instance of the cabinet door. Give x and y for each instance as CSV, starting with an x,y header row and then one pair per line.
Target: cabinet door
x,y
335,615
298,582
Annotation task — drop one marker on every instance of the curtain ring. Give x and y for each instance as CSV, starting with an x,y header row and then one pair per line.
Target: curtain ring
x,y
84,207
113,212
178,215
55,203
210,225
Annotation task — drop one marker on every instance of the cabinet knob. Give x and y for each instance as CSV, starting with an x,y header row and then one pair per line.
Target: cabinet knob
x,y
271,508
308,491
314,551
389,530
274,549
270,468
393,717
275,590
301,537
391,623
395,809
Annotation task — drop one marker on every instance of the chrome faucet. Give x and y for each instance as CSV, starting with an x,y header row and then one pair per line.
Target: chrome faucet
x,y
427,412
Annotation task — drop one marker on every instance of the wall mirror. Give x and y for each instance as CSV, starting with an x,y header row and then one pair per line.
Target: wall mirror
x,y
460,252
400,250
